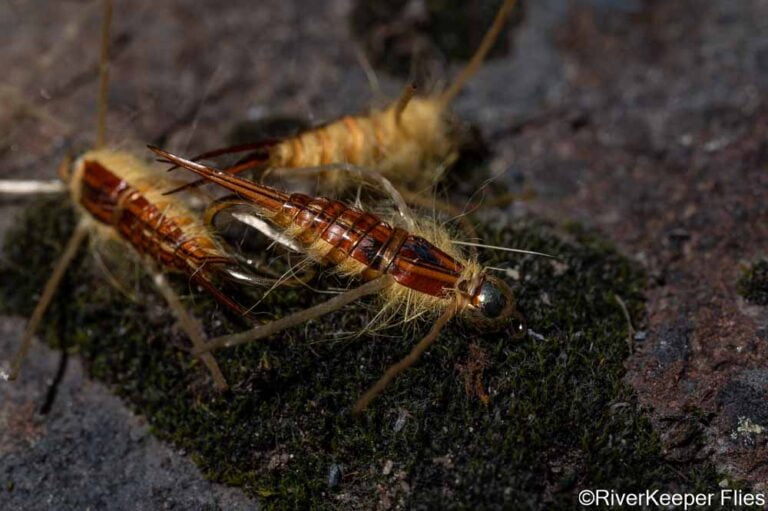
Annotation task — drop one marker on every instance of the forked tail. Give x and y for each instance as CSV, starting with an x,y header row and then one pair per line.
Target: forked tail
x,y
263,196
251,161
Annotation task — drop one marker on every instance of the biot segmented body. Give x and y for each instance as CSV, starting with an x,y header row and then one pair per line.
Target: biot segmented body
x,y
339,235
389,140
152,231
410,141
381,249
393,140
120,193
120,198
409,268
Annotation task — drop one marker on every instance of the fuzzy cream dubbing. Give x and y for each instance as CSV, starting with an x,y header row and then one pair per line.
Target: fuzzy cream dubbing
x,y
399,303
150,184
395,141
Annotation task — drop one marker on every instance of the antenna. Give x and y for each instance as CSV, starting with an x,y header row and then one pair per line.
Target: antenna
x,y
485,46
101,120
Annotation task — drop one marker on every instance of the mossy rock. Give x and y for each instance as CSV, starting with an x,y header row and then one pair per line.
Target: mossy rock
x,y
558,416
753,284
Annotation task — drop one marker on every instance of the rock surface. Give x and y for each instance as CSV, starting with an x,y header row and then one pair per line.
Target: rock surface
x,y
668,126
81,448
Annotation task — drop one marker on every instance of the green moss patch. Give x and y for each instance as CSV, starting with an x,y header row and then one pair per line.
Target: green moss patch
x,y
558,416
753,284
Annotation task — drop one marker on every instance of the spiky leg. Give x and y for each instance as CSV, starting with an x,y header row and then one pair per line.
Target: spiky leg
x,y
70,250
408,361
273,327
191,327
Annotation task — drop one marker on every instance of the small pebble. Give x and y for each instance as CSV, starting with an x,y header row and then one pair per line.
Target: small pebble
x,y
400,421
334,475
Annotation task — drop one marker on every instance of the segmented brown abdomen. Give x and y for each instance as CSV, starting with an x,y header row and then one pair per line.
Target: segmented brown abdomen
x,y
348,233
154,231
411,260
